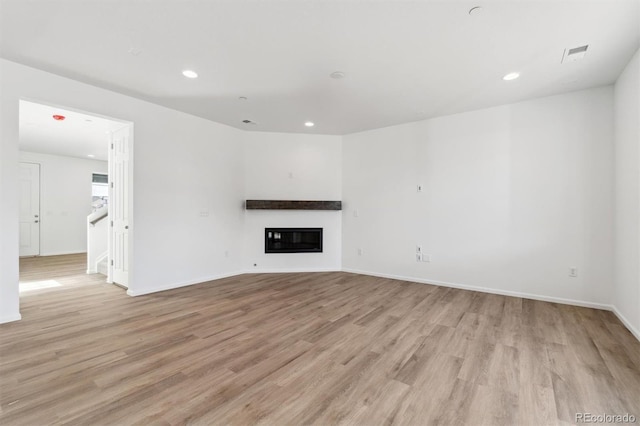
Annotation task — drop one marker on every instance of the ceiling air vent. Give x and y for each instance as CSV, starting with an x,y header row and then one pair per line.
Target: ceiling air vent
x,y
574,54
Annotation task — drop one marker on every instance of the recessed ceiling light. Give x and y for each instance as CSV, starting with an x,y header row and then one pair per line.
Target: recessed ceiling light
x,y
309,124
337,75
511,76
475,11
90,155
190,74
242,98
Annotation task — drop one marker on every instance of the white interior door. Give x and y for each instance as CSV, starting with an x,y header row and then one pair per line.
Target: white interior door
x,y
119,157
29,209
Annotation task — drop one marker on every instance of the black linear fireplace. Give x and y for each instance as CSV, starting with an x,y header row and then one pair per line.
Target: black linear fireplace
x,y
293,240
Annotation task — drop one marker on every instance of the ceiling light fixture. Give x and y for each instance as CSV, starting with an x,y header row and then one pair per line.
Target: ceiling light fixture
x,y
242,98
511,76
337,75
90,155
190,74
58,117
309,124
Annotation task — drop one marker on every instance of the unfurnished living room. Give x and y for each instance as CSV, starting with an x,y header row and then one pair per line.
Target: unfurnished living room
x,y
315,212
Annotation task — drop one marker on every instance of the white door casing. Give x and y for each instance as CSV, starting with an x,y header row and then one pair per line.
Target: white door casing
x,y
29,209
119,205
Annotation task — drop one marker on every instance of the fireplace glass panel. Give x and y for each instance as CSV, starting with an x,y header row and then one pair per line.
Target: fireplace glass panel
x,y
293,240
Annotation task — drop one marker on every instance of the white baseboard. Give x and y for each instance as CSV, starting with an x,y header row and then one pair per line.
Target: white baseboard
x,y
626,322
62,253
561,300
10,318
289,270
91,271
134,292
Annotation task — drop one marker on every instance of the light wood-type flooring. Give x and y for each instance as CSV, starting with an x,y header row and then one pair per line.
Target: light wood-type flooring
x,y
305,348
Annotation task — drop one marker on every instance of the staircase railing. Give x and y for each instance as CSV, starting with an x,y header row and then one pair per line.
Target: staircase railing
x,y
97,238
97,216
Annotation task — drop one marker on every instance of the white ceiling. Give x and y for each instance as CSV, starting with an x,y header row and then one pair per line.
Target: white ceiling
x,y
404,60
78,135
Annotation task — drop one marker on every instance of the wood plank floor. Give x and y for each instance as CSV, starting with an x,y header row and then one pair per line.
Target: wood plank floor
x,y
312,348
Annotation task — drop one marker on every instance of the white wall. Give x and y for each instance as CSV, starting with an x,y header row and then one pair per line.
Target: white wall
x,y
9,296
513,196
627,194
65,201
188,184
282,166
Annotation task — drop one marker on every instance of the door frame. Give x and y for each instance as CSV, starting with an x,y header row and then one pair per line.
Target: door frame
x,y
112,230
130,169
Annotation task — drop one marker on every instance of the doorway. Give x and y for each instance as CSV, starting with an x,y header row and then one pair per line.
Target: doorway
x,y
61,150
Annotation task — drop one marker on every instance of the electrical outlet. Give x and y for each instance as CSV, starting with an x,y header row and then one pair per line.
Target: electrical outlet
x,y
573,272
426,257
418,257
418,249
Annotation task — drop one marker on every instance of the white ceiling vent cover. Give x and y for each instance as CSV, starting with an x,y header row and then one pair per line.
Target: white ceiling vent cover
x,y
574,54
